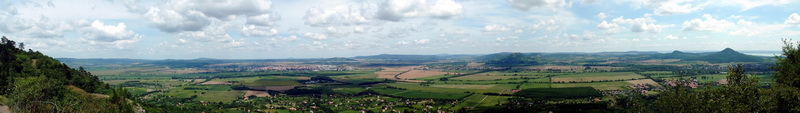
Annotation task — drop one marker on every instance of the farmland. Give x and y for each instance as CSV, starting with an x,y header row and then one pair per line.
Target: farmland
x,y
471,86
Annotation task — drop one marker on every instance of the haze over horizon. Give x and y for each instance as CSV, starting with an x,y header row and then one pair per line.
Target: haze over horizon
x,y
264,29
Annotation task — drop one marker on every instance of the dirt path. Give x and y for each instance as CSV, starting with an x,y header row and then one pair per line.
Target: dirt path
x,y
479,102
4,109
399,92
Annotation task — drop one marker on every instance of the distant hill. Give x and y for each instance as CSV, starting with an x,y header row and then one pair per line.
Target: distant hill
x,y
513,60
677,55
402,58
727,55
629,53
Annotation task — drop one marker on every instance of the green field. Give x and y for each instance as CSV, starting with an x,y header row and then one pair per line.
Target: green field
x,y
418,94
209,93
589,77
559,93
617,85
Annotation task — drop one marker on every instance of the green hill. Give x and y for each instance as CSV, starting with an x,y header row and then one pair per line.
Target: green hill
x,y
677,55
727,55
513,60
34,82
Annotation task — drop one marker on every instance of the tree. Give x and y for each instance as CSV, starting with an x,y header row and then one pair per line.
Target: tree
x,y
787,67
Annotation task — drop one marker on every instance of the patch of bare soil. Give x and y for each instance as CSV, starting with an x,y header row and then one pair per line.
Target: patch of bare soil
x,y
215,83
274,88
256,93
419,74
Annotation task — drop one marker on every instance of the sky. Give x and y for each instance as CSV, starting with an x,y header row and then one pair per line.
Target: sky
x,y
264,29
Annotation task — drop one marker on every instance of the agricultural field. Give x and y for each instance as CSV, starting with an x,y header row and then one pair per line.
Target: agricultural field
x,y
616,85
450,86
597,77
419,74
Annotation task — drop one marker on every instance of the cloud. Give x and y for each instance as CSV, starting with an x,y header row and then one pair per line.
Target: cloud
x,y
224,9
708,24
495,28
643,24
500,39
258,31
334,32
673,37
397,10
421,41
609,27
602,16
195,15
41,27
750,29
667,7
315,36
749,4
97,33
525,5
793,19
263,19
171,21
214,34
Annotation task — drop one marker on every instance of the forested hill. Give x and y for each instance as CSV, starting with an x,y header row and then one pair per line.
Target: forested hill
x,y
33,82
727,55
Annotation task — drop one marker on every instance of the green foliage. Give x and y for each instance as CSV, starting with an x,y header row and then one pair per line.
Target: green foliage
x,y
787,67
559,93
35,82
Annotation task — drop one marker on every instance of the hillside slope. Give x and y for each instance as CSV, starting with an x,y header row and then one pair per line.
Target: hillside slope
x,y
34,82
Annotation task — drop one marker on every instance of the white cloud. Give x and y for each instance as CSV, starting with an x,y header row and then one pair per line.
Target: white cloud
x,y
749,4
667,7
673,37
674,8
263,19
495,28
168,20
215,34
421,41
195,15
793,19
315,36
642,24
750,29
526,5
224,9
397,10
500,39
708,24
602,16
258,31
334,32
41,27
359,29
116,36
609,27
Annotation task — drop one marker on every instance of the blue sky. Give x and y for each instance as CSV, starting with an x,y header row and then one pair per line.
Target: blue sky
x,y
237,29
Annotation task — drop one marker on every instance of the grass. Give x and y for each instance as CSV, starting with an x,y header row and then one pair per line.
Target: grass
x,y
562,93
418,94
482,101
657,72
214,93
617,85
587,77
349,90
415,86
